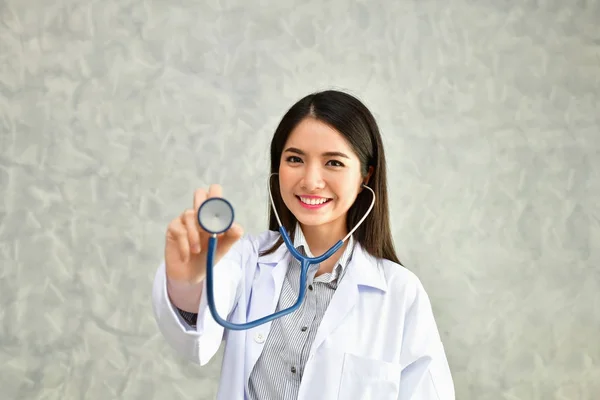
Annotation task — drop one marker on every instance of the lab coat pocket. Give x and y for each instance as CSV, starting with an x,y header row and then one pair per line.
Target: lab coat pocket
x,y
365,379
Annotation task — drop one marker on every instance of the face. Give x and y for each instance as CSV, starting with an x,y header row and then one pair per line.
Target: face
x,y
319,175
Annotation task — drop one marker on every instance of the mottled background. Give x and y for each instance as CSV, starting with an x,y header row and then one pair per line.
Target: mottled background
x,y
112,112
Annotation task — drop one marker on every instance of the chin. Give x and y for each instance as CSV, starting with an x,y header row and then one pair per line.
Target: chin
x,y
312,221
317,220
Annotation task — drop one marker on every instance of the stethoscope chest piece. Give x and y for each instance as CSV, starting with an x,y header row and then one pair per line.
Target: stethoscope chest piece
x,y
215,215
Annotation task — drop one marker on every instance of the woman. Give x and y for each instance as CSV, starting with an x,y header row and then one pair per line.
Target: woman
x,y
365,329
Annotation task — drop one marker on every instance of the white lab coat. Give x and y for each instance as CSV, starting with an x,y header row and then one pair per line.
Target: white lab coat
x,y
377,340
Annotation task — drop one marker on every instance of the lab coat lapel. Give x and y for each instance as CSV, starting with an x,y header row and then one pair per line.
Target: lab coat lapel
x,y
342,302
265,293
271,269
363,270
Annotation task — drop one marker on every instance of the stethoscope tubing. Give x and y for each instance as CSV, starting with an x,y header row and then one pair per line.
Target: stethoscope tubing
x,y
305,263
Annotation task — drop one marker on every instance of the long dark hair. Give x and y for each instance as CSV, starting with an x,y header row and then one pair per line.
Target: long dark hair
x,y
354,121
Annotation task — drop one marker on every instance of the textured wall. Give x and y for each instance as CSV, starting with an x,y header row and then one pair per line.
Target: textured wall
x,y
112,112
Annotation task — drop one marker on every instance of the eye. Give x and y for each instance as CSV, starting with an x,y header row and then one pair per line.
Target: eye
x,y
334,163
293,159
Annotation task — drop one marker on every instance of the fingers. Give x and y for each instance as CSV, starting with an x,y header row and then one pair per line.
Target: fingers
x,y
194,236
192,228
232,235
215,191
199,197
234,232
189,217
177,233
186,233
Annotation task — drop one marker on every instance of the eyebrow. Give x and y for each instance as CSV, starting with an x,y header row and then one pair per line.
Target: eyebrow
x,y
326,154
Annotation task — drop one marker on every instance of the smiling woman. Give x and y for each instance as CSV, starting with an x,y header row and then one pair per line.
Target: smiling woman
x,y
365,328
319,179
336,131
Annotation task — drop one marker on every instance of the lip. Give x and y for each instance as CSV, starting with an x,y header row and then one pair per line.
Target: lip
x,y
315,206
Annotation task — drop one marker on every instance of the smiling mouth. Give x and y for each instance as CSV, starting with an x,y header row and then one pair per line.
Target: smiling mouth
x,y
312,201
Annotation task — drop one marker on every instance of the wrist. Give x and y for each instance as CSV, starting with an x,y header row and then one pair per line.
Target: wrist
x,y
185,294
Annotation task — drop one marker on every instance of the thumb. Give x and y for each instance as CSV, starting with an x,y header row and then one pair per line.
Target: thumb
x,y
233,234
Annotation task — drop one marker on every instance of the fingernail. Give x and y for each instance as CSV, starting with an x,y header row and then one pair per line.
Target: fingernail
x,y
196,248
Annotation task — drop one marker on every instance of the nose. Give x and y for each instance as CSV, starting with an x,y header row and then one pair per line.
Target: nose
x,y
312,179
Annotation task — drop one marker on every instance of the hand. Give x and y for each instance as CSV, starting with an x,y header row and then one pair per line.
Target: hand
x,y
187,243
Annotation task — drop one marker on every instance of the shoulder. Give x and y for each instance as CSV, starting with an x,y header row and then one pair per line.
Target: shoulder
x,y
401,299
402,284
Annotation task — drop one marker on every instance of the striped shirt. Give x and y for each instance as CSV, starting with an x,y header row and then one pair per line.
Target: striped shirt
x,y
278,371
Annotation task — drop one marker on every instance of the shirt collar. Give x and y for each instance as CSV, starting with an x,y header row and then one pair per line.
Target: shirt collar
x,y
301,245
370,272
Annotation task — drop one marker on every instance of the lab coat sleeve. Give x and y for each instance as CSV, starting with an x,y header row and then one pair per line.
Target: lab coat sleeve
x,y
200,343
426,374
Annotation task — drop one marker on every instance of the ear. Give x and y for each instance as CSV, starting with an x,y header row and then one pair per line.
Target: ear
x,y
366,179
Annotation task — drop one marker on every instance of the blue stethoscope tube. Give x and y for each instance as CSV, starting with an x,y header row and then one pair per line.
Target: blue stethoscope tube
x,y
221,223
305,263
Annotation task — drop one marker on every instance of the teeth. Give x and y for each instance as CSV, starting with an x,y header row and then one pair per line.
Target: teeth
x,y
312,202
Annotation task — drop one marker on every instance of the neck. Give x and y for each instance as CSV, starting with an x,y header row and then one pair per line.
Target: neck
x,y
322,238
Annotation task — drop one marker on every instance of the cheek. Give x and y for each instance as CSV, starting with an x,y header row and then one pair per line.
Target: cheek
x,y
349,190
286,178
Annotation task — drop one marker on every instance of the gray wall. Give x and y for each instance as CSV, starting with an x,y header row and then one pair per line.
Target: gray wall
x,y
112,112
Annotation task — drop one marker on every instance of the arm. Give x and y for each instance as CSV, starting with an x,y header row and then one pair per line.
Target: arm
x,y
197,343
426,374
186,298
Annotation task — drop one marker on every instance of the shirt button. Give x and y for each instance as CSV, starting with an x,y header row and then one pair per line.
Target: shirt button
x,y
259,338
304,328
310,287
293,369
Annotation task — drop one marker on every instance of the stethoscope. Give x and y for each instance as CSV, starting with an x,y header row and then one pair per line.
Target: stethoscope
x,y
216,216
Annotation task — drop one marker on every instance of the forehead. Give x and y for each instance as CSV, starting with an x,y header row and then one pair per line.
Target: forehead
x,y
312,135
